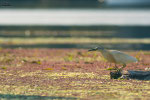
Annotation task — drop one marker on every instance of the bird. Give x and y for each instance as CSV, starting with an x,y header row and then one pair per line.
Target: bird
x,y
115,56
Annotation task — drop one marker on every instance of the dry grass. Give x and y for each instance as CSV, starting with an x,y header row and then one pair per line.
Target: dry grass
x,y
46,72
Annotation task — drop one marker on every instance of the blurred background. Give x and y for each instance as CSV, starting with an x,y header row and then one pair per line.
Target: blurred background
x,y
115,24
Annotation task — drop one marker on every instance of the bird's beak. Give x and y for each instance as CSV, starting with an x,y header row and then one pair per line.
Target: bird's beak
x,y
92,49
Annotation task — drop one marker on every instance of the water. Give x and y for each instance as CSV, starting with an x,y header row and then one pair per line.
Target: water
x,y
79,17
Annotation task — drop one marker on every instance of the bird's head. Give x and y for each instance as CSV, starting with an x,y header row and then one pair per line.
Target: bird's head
x,y
96,48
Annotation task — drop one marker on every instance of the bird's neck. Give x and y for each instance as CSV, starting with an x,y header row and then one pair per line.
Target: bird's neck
x,y
104,52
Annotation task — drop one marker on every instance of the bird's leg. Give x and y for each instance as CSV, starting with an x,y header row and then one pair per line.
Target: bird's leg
x,y
115,66
124,65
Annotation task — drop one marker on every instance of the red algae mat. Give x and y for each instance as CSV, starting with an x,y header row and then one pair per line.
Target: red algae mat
x,y
68,74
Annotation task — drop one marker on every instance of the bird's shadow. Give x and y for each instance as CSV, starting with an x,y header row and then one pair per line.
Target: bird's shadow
x,y
33,97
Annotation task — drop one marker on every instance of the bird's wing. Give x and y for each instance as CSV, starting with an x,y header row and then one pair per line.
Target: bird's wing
x,y
122,58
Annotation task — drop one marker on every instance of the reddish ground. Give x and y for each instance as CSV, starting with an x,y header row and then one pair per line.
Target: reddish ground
x,y
17,65
65,59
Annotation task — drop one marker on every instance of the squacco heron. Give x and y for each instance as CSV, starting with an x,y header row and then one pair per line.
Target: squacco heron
x,y
114,56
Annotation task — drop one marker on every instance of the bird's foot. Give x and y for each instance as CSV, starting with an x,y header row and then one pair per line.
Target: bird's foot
x,y
121,69
115,74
